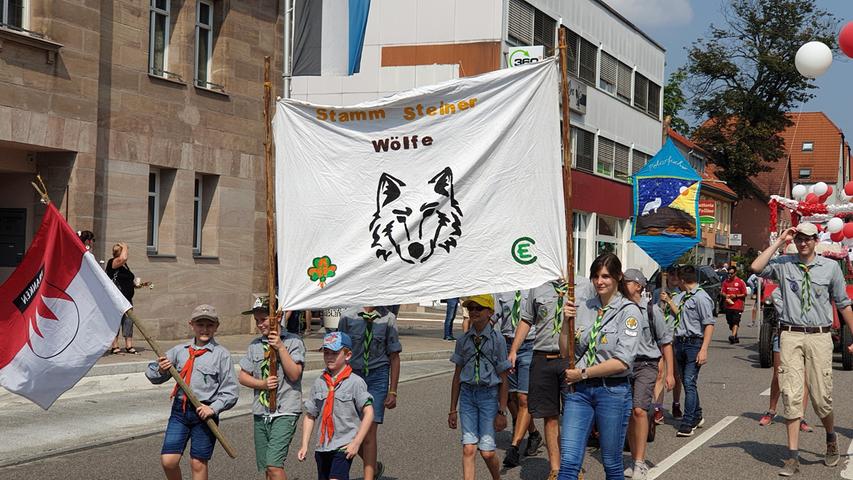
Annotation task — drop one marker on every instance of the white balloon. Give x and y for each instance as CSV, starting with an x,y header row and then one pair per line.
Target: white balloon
x,y
819,189
813,59
799,192
834,225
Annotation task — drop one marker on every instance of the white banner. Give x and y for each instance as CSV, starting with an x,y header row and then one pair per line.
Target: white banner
x,y
442,191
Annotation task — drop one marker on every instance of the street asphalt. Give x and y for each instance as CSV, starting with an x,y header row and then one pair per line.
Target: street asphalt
x,y
415,442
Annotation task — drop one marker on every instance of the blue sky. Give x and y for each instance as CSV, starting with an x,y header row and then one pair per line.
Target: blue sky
x,y
675,24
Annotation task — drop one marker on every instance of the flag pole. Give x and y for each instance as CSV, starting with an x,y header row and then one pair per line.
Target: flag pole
x,y
663,136
270,227
569,326
181,383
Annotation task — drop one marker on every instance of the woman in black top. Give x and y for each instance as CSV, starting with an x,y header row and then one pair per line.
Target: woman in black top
x,y
121,275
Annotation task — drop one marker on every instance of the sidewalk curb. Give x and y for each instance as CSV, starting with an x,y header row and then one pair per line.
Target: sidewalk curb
x,y
310,363
144,432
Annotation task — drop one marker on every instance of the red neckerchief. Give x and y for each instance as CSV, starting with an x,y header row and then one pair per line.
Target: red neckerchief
x,y
327,422
187,372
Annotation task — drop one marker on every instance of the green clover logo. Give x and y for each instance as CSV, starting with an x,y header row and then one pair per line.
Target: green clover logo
x,y
322,270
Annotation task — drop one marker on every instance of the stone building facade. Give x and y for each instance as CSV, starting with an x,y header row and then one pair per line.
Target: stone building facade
x,y
146,121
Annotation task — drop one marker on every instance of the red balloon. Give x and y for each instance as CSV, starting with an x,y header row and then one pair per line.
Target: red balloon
x,y
845,39
812,198
829,191
848,189
848,230
837,236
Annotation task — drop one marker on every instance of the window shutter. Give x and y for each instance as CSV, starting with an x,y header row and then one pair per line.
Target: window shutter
x,y
623,89
520,24
584,157
588,53
605,156
543,31
654,100
621,170
641,91
609,71
640,160
572,42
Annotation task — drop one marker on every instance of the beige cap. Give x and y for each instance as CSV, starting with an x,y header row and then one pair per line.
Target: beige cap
x,y
204,311
807,228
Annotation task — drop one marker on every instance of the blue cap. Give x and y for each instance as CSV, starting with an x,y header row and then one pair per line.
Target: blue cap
x,y
335,341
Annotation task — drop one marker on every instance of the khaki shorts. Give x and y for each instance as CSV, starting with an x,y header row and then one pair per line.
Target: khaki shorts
x,y
808,354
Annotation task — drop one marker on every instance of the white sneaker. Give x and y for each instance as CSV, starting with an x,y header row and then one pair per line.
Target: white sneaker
x,y
641,471
629,472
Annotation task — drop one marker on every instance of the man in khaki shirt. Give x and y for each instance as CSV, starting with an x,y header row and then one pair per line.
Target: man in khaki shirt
x,y
809,285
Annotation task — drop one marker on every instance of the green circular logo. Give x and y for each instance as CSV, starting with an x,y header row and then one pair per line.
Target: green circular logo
x,y
521,251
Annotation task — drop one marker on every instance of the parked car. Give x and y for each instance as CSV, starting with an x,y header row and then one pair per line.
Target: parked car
x,y
708,281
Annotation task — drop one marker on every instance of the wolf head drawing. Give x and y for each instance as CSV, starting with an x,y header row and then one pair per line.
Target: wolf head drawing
x,y
412,221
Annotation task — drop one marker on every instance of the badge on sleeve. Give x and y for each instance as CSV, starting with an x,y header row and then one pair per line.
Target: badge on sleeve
x,y
631,325
604,340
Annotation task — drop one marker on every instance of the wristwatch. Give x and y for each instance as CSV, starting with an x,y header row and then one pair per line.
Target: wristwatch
x,y
584,375
502,413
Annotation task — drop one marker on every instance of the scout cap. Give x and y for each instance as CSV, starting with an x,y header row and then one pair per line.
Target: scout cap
x,y
634,275
807,228
204,311
335,341
485,300
261,303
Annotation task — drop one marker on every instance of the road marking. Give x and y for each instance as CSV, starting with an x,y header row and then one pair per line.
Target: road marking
x,y
686,450
848,468
765,393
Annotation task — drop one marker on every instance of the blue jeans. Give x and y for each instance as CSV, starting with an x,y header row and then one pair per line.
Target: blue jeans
x,y
686,350
609,406
452,304
478,407
377,386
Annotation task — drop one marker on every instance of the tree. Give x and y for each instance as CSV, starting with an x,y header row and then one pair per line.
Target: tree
x,y
742,81
674,101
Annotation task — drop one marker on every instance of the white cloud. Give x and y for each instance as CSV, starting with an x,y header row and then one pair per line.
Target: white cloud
x,y
654,13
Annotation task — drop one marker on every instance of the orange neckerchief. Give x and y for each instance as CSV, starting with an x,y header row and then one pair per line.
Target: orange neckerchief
x,y
327,423
187,372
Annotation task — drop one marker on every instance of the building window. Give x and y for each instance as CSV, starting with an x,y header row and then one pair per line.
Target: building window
x,y
639,161
621,163
805,172
653,108
572,41
203,43
12,14
808,146
158,41
584,150
605,157
153,210
609,238
587,69
623,86
528,26
609,73
580,221
198,190
646,95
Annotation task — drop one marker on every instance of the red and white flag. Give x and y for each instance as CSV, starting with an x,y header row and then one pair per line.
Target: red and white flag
x,y
59,312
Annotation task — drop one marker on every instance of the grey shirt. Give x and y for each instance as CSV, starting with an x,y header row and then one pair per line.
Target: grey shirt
x,y
351,397
826,285
386,338
213,380
289,394
541,310
779,305
650,343
503,311
697,311
619,335
483,366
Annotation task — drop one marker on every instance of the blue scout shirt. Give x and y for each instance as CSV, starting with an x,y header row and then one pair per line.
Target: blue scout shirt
x,y
289,396
619,335
351,397
697,311
481,364
213,380
385,339
503,310
808,303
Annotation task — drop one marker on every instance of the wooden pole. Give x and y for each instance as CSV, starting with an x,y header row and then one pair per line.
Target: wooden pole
x,y
181,383
270,225
567,197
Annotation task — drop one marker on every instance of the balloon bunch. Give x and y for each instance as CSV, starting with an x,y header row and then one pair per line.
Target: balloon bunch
x,y
814,58
817,193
